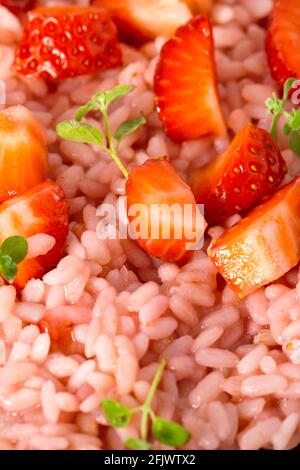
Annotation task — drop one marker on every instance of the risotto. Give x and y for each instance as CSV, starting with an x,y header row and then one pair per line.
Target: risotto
x,y
97,317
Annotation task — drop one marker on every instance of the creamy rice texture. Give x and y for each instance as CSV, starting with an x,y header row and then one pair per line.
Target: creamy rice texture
x,y
230,380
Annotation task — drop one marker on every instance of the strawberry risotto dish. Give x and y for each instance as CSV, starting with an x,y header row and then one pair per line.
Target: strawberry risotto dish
x,y
149,224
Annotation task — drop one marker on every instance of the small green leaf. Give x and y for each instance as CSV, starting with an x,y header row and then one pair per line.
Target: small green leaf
x,y
78,132
274,105
85,109
137,444
128,127
170,433
106,98
15,247
286,129
295,142
116,414
8,268
294,121
287,87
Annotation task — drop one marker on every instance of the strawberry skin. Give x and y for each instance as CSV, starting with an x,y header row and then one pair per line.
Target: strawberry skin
x,y
136,17
185,84
23,147
263,246
156,183
283,35
63,42
249,170
18,6
43,209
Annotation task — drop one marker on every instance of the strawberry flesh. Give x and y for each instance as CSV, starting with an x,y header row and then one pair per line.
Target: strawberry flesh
x,y
43,209
23,146
185,84
283,35
63,42
135,18
249,170
263,246
156,183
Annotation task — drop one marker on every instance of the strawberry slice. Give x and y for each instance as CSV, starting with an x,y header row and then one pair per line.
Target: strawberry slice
x,y
23,146
43,209
62,42
185,84
282,38
152,188
18,6
264,246
136,17
249,170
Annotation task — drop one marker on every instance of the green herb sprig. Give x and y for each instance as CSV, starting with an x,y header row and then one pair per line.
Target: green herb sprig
x,y
291,128
12,251
164,431
78,131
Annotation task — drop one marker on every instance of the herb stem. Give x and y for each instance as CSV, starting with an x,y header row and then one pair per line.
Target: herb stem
x,y
112,148
147,405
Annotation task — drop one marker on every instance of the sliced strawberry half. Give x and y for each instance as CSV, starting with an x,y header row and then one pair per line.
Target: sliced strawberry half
x,y
185,84
23,152
151,189
264,246
282,38
147,19
249,170
43,209
63,42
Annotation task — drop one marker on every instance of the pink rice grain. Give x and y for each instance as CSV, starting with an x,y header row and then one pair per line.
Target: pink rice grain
x,y
40,348
33,291
259,435
250,362
219,420
216,358
153,309
31,313
7,300
21,400
251,407
261,385
62,367
48,443
183,310
39,244
207,389
48,402
161,328
106,354
66,402
281,439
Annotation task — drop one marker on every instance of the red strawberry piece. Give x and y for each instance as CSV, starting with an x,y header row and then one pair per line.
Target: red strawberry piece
x,y
156,183
282,38
18,6
185,84
43,209
249,170
23,147
63,42
263,246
